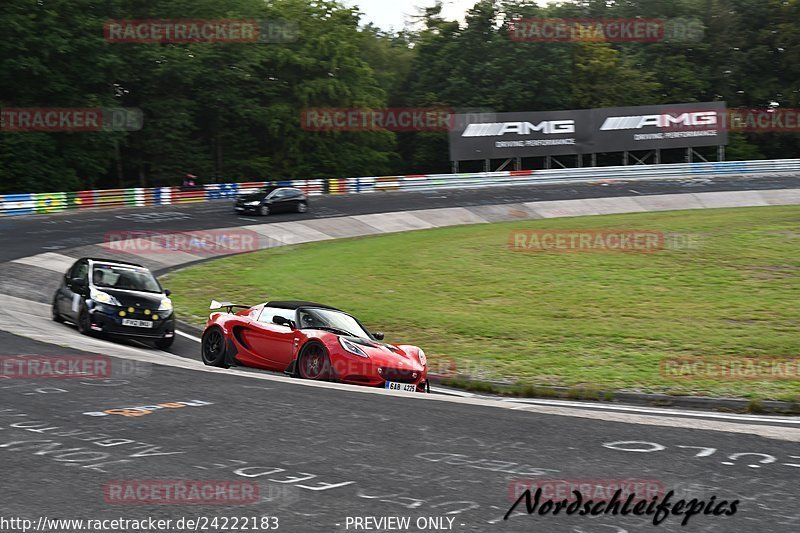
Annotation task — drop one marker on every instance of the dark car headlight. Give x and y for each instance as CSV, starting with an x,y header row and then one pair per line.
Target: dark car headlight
x,y
103,298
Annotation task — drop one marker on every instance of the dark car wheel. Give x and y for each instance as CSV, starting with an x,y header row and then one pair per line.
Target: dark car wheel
x,y
263,210
56,315
314,363
85,323
302,207
165,343
213,348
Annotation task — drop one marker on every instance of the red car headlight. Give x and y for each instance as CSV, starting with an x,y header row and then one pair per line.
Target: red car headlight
x,y
422,359
352,347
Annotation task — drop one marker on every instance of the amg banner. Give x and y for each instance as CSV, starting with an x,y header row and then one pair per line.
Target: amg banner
x,y
615,129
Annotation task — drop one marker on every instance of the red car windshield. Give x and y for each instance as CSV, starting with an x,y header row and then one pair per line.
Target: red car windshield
x,y
329,319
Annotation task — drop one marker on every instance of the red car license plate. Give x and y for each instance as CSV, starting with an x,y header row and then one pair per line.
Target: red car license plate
x,y
405,387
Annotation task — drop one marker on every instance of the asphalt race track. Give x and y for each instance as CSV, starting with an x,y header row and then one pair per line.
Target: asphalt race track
x,y
24,236
320,455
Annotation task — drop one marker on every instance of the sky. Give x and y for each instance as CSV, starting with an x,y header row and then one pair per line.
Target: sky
x,y
388,14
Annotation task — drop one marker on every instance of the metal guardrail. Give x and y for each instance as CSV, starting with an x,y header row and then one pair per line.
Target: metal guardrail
x,y
577,175
39,203
34,203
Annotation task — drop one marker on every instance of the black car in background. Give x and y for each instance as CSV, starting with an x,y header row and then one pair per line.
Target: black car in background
x,y
115,298
273,200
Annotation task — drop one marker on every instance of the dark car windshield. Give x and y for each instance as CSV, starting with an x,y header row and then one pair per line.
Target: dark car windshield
x,y
330,319
126,278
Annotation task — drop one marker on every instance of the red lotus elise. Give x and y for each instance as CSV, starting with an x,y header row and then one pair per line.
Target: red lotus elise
x,y
310,341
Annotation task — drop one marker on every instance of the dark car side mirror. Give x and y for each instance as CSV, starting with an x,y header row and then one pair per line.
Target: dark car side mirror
x,y
378,335
283,321
167,292
78,285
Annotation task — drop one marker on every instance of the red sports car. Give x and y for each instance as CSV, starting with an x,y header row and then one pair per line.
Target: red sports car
x,y
310,341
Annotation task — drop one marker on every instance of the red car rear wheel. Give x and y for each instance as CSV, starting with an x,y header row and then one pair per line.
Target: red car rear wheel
x,y
314,362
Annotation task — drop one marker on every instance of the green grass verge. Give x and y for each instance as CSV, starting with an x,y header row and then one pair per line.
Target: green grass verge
x,y
597,320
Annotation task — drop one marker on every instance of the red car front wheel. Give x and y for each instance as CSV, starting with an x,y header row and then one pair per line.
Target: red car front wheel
x,y
314,362
213,348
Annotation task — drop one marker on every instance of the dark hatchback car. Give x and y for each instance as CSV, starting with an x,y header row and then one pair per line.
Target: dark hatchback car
x,y
115,298
273,200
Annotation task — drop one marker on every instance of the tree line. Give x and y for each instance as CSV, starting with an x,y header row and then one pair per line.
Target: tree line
x,y
232,111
